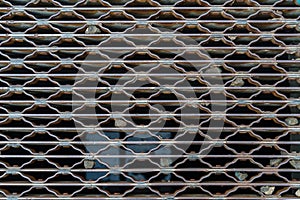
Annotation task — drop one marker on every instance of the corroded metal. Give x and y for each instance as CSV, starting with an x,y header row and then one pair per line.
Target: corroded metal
x,y
64,136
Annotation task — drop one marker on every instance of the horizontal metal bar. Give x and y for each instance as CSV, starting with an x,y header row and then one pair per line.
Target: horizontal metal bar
x,y
174,48
161,7
242,156
148,34
99,21
162,142
218,88
146,184
285,74
96,128
75,102
261,170
246,115
217,61
154,197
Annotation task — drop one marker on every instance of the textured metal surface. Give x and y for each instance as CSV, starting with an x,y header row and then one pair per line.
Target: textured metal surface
x,y
65,64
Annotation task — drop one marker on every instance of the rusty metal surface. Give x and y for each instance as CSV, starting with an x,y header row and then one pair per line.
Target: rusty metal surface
x,y
149,99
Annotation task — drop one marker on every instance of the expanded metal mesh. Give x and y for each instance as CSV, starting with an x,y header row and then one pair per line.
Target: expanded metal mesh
x,y
149,99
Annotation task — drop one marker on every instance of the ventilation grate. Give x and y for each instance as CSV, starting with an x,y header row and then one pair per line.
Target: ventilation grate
x,y
149,99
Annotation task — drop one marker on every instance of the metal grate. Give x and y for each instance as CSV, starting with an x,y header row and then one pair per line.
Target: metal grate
x,y
149,99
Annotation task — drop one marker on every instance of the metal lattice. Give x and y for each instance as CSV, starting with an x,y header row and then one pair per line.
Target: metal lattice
x,y
149,99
